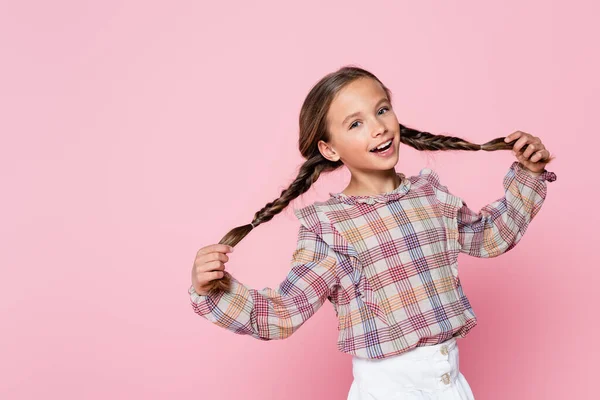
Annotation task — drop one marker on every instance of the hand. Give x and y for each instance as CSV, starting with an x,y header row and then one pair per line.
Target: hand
x,y
208,266
535,157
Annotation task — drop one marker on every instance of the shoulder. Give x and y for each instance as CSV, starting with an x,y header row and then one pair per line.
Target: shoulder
x,y
307,215
430,176
313,216
427,181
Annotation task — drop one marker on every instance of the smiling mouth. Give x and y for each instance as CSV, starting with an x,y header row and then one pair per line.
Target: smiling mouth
x,y
378,150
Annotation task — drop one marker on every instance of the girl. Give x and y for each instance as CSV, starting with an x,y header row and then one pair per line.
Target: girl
x,y
383,251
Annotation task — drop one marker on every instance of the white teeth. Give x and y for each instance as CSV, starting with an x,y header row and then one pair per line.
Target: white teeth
x,y
384,144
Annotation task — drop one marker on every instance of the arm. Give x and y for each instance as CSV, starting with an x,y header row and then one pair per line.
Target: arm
x,y
499,226
270,314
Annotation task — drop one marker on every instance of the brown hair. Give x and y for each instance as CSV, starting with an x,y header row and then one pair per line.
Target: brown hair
x,y
313,128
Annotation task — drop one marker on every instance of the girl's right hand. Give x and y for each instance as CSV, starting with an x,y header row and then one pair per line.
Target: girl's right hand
x,y
208,266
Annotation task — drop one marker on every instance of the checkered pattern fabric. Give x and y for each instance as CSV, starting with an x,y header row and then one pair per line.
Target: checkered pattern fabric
x,y
388,264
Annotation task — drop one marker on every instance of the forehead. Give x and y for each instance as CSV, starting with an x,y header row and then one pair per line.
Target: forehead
x,y
360,94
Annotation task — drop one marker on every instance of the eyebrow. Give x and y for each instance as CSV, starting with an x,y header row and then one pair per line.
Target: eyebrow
x,y
358,112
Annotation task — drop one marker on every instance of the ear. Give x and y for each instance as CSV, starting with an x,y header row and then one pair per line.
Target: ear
x,y
327,151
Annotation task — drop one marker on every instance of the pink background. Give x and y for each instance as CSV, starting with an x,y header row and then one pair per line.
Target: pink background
x,y
134,133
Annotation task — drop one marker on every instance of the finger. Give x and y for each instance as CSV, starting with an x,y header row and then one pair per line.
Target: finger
x,y
512,136
204,258
215,265
537,156
223,248
542,150
216,275
211,276
531,148
218,267
523,140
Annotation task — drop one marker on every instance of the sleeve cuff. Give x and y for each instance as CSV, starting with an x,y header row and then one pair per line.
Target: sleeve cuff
x,y
524,176
194,296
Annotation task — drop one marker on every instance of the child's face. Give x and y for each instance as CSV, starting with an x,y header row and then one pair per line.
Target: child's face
x,y
352,137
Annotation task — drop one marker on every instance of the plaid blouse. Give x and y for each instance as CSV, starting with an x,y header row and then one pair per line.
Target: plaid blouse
x,y
386,262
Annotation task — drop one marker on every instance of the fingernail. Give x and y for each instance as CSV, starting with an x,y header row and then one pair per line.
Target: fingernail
x,y
231,248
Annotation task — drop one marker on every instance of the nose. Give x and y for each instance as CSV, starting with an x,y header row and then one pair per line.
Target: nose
x,y
378,128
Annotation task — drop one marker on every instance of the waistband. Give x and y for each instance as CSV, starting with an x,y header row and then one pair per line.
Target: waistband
x,y
417,353
430,366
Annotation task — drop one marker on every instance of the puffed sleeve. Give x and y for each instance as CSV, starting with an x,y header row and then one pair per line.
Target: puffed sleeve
x,y
269,314
500,225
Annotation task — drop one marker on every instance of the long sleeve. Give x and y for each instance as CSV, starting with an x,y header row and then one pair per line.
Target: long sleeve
x,y
270,314
499,226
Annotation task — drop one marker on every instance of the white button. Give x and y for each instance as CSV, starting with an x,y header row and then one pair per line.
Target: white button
x,y
444,350
446,378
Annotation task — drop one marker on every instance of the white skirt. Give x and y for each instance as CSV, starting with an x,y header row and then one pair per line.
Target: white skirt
x,y
425,372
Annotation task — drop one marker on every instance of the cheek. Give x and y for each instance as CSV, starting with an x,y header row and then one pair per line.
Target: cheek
x,y
355,146
393,118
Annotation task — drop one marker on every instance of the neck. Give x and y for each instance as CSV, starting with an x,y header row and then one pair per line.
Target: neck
x,y
372,185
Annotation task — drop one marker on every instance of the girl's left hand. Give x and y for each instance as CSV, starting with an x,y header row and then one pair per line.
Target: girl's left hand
x,y
535,157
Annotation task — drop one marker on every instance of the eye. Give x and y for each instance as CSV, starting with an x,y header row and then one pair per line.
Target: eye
x,y
379,113
353,124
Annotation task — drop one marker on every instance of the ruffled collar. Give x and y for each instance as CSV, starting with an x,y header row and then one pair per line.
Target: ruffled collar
x,y
395,194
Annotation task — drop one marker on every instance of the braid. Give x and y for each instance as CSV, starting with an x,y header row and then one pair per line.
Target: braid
x,y
421,140
308,174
